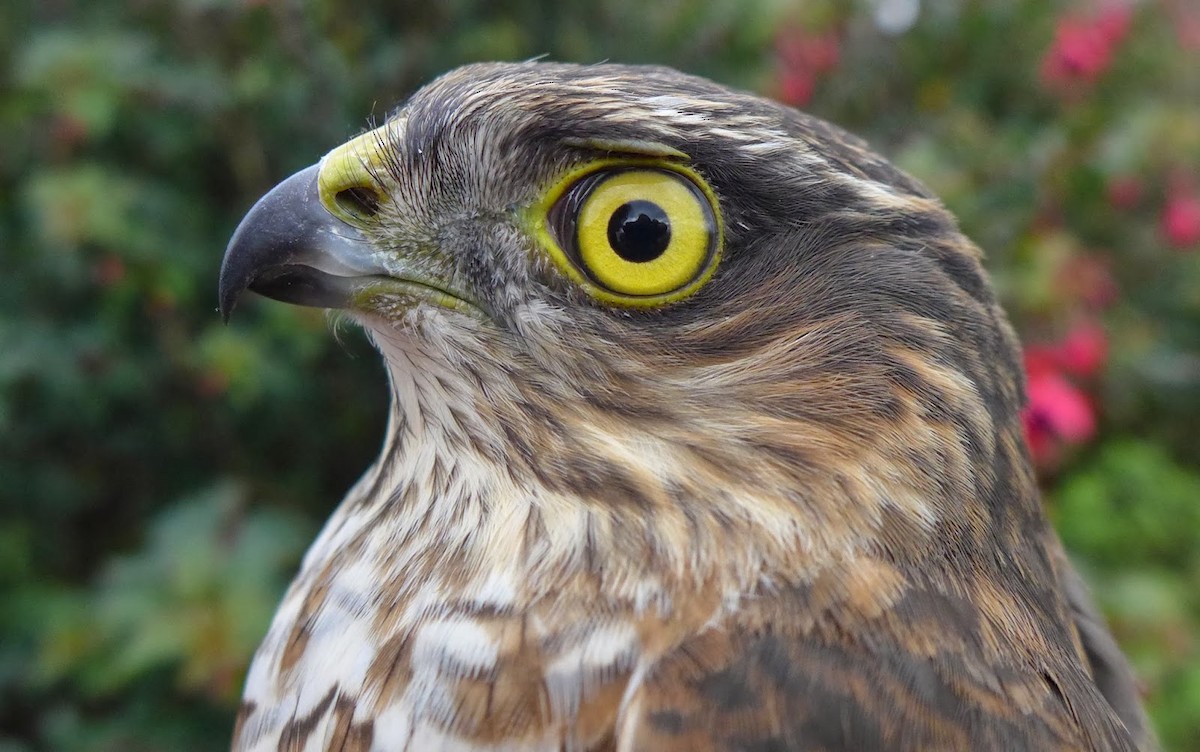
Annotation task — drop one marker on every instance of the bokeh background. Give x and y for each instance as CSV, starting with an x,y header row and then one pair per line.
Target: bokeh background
x,y
161,473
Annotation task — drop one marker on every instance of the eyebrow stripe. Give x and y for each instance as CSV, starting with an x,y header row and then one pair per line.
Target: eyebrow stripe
x,y
632,147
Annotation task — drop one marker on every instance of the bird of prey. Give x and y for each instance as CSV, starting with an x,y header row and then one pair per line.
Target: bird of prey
x,y
703,435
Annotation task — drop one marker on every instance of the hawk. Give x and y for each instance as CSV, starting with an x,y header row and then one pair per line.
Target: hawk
x,y
703,436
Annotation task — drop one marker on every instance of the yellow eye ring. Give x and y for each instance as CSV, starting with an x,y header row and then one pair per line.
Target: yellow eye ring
x,y
633,233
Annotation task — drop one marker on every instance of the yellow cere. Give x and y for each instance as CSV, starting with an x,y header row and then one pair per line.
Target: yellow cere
x,y
688,204
346,180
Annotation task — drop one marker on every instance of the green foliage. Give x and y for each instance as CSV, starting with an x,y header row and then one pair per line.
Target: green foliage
x,y
177,618
1133,515
1131,505
199,593
162,472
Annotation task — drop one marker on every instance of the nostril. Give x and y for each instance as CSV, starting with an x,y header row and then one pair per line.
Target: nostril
x,y
349,178
358,201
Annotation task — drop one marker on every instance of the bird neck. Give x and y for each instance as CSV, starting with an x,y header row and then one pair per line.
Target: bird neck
x,y
490,477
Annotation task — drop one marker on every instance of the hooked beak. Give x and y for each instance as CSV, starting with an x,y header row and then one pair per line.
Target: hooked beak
x,y
290,248
301,243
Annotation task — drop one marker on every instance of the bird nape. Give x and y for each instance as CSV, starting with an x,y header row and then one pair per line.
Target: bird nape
x,y
703,436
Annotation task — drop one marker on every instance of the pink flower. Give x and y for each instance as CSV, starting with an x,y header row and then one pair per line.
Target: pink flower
x,y
1041,359
796,88
803,59
1084,350
1113,23
1083,48
1081,353
1058,415
1181,218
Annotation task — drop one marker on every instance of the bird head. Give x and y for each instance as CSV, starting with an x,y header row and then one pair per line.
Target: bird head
x,y
636,287
672,366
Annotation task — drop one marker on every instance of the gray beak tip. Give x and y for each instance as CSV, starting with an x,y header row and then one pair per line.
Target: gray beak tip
x,y
271,235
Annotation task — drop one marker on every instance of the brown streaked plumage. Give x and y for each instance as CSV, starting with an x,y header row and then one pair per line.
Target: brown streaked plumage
x,y
790,511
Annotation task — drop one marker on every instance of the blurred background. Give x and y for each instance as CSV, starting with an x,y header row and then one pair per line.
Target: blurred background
x,y
161,473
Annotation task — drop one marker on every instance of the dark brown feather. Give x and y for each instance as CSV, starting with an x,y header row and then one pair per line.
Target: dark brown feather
x,y
921,676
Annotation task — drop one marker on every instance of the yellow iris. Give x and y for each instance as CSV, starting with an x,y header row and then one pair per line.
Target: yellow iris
x,y
633,234
669,206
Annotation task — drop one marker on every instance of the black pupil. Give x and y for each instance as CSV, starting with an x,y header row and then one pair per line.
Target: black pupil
x,y
639,231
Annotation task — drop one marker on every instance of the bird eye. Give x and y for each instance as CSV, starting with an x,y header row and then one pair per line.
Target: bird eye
x,y
635,235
